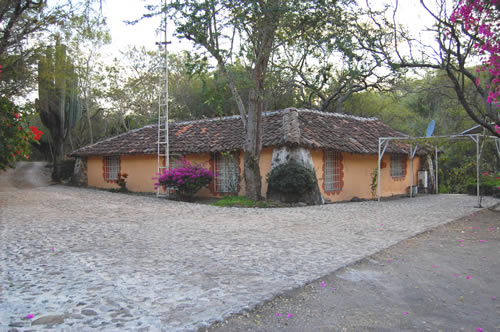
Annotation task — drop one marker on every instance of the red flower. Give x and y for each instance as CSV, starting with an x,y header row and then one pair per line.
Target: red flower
x,y
36,133
16,115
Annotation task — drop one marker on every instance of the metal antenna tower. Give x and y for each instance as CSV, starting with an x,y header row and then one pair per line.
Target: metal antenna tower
x,y
163,146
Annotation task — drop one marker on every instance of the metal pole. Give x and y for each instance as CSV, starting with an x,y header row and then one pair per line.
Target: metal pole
x,y
378,174
437,172
167,147
477,173
411,170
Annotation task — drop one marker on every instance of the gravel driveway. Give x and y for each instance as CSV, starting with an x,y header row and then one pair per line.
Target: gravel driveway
x,y
90,259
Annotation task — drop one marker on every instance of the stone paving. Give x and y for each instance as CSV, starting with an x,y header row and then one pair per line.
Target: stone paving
x,y
83,259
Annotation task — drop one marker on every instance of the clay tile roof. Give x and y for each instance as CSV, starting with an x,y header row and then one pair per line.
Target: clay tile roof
x,y
288,127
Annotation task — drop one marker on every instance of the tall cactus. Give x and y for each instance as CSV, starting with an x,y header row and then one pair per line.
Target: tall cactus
x,y
58,100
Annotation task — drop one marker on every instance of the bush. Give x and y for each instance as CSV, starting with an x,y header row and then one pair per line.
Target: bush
x,y
15,135
122,181
489,185
186,180
291,178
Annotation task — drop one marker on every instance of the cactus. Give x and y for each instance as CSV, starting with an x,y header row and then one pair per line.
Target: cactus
x,y
58,104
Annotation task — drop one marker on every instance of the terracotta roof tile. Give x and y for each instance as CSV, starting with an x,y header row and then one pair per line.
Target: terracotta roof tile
x,y
292,127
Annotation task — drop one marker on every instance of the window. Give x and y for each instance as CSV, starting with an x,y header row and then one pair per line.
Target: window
x,y
398,166
175,161
226,171
332,177
111,168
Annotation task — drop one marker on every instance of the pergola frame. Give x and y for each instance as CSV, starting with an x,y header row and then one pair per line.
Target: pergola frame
x,y
383,143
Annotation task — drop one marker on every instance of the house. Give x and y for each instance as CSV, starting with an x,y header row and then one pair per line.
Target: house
x,y
342,150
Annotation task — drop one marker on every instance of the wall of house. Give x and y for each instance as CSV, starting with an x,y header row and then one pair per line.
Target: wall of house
x,y
140,169
357,169
357,176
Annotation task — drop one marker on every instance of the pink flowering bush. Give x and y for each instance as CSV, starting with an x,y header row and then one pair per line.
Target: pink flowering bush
x,y
186,180
480,19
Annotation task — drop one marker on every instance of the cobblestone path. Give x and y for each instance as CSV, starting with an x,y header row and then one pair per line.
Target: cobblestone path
x,y
85,259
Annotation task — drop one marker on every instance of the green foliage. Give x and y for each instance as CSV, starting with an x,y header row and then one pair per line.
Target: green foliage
x,y
457,165
291,178
489,185
240,201
15,135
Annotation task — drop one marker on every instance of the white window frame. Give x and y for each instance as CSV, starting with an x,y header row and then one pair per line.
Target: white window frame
x,y
111,167
332,177
226,173
398,166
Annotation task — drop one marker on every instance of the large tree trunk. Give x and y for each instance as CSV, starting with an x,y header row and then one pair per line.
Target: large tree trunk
x,y
253,147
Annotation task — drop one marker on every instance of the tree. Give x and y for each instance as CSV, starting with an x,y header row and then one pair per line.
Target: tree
x,y
251,30
19,21
332,63
463,33
58,104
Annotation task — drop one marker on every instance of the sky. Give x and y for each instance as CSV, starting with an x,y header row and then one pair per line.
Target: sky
x,y
145,33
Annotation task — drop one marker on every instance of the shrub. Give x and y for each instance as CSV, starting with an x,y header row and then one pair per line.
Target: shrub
x,y
185,180
489,185
15,135
291,178
122,181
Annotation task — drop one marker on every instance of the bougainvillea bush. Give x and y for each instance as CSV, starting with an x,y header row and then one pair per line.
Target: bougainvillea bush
x,y
186,180
15,135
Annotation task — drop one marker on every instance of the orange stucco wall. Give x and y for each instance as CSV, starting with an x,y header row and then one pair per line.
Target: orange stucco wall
x,y
140,169
357,176
357,169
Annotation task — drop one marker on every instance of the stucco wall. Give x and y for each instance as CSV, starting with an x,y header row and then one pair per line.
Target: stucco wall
x,y
140,169
357,178
357,170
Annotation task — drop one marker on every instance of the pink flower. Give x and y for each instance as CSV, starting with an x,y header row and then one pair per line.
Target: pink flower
x,y
289,315
278,314
455,275
493,298
479,329
29,316
323,284
405,313
461,240
389,260
482,241
468,277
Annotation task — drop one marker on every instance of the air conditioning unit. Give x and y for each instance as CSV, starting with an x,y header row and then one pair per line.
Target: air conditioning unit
x,y
423,180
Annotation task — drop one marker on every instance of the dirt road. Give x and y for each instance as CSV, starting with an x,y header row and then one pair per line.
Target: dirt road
x,y
25,176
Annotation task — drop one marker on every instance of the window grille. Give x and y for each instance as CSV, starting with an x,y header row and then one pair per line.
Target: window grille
x,y
175,161
226,177
111,168
332,171
398,166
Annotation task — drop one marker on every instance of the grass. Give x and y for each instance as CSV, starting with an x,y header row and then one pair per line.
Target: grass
x,y
240,201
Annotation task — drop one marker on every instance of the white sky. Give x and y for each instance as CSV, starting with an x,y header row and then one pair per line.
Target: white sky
x,y
144,33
